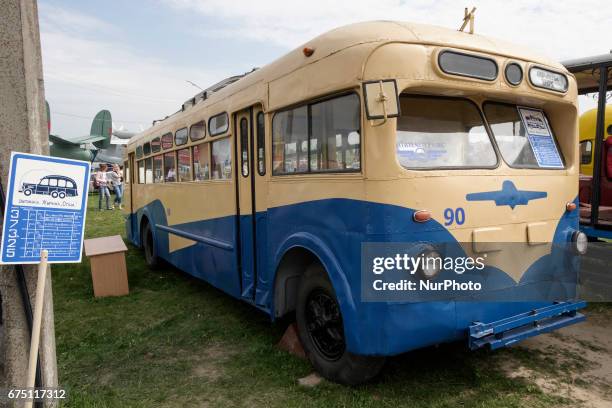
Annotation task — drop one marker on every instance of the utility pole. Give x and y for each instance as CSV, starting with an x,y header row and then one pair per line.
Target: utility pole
x,y
23,128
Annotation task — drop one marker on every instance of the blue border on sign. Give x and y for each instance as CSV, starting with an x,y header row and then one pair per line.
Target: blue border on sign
x,y
9,200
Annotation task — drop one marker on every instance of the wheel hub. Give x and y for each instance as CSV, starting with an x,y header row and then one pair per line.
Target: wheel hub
x,y
324,324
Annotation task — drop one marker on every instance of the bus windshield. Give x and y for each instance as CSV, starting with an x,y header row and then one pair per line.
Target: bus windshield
x,y
510,135
434,132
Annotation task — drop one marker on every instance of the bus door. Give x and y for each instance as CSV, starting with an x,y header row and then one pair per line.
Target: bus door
x,y
128,180
250,179
128,194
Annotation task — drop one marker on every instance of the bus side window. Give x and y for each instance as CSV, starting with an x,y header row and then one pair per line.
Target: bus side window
x,y
170,167
184,165
166,141
146,149
197,131
261,144
156,145
290,141
148,171
323,136
244,146
158,169
218,124
335,134
221,159
201,161
180,137
141,172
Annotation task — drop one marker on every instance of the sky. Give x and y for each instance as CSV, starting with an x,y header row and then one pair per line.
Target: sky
x,y
134,57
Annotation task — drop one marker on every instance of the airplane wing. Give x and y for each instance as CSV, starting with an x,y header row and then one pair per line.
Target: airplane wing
x,y
90,139
75,141
58,140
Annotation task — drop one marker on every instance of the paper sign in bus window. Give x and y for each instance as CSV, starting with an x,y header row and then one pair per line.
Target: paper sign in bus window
x,y
426,153
540,138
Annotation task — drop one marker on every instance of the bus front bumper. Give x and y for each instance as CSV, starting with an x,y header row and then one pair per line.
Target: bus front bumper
x,y
513,329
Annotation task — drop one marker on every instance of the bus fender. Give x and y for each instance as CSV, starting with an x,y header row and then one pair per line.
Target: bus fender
x,y
156,215
337,277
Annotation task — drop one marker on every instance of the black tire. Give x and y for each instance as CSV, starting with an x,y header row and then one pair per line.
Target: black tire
x,y
62,195
148,245
27,192
322,333
54,194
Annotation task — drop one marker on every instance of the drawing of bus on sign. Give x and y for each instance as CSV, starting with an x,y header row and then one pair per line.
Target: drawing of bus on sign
x,y
53,185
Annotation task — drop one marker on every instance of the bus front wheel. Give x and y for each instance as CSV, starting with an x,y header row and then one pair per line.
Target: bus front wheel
x,y
148,245
321,332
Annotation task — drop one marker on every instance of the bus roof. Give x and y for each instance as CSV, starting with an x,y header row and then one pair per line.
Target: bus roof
x,y
365,34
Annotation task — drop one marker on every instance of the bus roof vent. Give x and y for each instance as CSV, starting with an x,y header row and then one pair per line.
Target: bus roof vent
x,y
206,93
188,104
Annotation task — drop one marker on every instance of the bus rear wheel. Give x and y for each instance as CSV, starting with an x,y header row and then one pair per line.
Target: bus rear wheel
x,y
321,332
148,245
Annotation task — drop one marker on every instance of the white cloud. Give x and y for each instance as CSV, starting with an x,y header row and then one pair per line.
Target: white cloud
x,y
86,71
558,29
54,17
89,64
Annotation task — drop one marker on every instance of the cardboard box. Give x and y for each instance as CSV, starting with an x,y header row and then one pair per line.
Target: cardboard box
x,y
108,268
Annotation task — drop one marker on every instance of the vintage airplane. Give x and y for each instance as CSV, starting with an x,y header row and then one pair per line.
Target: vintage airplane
x,y
103,144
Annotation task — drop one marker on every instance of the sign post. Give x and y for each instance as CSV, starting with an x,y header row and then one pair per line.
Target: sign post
x,y
38,308
44,222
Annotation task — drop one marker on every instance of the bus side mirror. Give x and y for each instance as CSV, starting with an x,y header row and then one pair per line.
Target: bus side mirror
x,y
381,99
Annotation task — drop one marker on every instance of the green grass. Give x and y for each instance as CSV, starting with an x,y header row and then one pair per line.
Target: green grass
x,y
177,342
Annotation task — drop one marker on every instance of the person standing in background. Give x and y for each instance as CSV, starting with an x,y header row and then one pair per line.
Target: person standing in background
x,y
116,177
102,182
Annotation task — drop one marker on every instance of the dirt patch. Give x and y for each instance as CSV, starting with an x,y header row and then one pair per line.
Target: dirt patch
x,y
209,364
574,362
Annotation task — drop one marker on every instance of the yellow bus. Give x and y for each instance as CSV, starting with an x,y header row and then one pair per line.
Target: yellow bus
x,y
276,186
587,123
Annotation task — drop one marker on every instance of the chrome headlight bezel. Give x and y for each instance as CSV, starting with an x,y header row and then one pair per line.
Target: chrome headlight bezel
x,y
580,242
424,270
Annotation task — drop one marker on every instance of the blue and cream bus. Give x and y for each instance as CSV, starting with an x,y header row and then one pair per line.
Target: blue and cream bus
x,y
268,186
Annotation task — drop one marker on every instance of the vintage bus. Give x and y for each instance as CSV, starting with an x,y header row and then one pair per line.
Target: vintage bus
x,y
269,185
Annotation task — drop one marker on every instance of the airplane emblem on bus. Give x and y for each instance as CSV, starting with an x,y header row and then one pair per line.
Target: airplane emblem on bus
x,y
508,195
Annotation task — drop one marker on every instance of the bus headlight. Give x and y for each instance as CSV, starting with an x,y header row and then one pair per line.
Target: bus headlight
x,y
432,263
580,241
